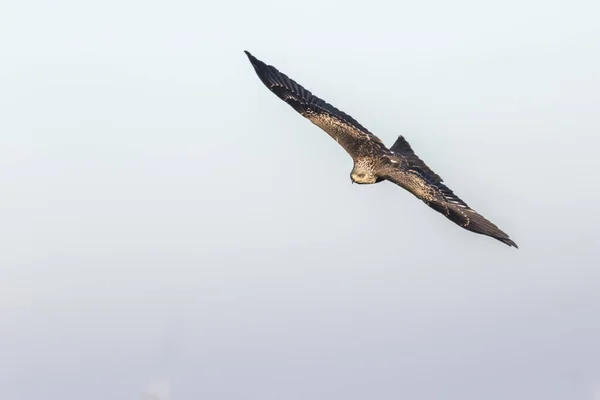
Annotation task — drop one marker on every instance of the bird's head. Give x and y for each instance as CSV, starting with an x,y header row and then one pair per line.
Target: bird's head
x,y
363,179
363,174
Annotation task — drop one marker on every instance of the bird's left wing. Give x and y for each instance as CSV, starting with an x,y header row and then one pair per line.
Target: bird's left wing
x,y
339,125
404,168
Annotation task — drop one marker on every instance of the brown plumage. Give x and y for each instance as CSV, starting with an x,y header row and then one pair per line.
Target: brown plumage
x,y
373,161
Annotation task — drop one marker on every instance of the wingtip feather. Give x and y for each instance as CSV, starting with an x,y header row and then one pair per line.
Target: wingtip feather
x,y
508,242
480,224
253,60
471,220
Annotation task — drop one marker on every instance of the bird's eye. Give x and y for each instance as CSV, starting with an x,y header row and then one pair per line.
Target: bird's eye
x,y
361,175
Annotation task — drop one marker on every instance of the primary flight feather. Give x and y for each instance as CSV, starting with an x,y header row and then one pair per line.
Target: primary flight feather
x,y
373,161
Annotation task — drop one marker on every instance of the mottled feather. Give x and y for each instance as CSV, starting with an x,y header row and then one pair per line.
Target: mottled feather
x,y
340,126
416,177
373,162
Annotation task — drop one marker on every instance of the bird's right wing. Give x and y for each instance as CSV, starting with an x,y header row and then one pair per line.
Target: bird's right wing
x,y
404,168
339,125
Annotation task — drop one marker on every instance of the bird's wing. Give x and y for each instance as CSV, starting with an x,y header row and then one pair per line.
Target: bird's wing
x,y
339,125
404,168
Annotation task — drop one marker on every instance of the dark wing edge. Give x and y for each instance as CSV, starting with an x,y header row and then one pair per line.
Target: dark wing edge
x,y
296,96
417,166
402,147
471,220
444,201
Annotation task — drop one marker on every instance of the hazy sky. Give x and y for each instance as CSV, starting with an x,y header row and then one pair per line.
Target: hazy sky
x,y
165,217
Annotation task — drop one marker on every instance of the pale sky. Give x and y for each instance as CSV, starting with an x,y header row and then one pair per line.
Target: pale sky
x,y
165,218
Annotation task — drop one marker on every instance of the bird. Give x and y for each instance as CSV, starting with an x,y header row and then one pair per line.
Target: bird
x,y
373,161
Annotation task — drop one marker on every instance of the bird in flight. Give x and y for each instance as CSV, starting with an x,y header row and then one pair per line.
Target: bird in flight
x,y
373,161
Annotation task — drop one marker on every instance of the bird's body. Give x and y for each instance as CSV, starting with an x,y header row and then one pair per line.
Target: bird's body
x,y
373,161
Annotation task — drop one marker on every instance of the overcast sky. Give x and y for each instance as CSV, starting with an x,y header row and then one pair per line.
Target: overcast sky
x,y
168,222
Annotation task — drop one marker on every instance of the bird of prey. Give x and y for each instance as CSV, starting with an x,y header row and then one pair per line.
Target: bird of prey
x,y
373,161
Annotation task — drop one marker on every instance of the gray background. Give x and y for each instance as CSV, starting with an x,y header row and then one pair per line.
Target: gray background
x,y
165,217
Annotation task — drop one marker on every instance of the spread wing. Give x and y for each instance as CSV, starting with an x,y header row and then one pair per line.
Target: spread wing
x,y
404,168
339,125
